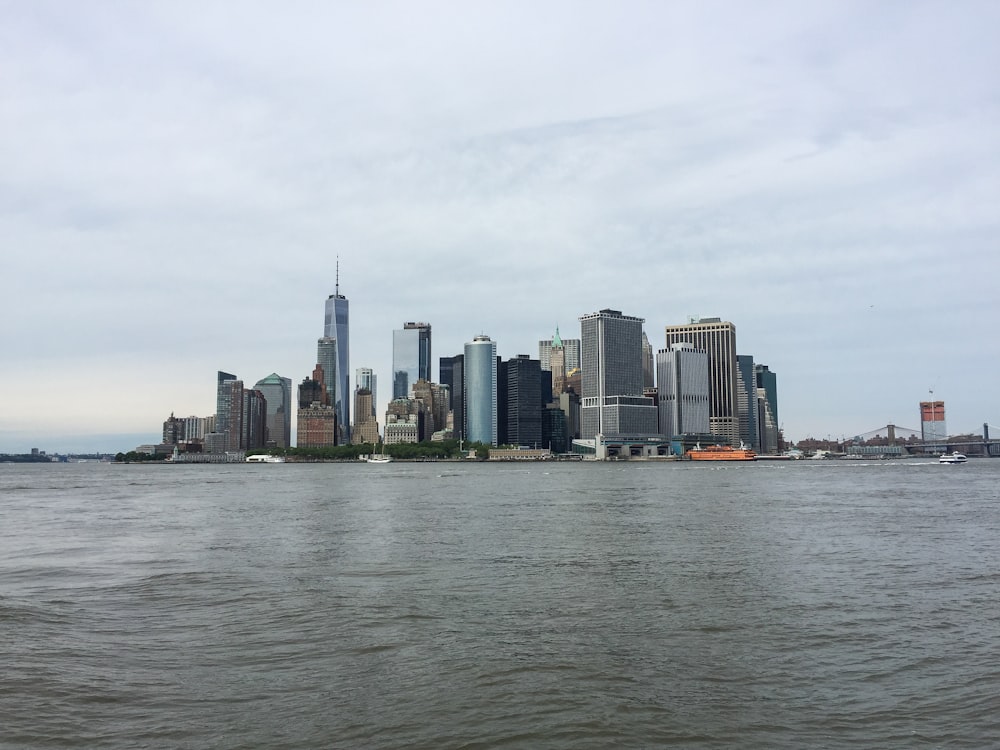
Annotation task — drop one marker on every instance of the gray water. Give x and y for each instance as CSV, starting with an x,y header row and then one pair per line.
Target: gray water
x,y
441,605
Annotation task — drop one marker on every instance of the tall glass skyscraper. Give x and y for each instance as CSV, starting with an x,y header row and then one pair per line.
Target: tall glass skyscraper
x,y
480,389
337,327
278,394
326,358
451,375
411,357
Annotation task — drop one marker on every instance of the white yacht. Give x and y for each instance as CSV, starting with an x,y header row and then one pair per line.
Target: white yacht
x,y
953,458
261,458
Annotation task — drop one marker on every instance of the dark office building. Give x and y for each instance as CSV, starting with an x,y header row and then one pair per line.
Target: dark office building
x,y
519,402
450,369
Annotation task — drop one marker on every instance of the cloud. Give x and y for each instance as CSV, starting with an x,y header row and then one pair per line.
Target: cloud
x,y
180,180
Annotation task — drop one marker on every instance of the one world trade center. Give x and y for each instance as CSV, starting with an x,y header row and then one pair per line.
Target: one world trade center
x,y
337,328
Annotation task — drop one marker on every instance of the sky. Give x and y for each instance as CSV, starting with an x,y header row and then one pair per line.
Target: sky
x,y
178,182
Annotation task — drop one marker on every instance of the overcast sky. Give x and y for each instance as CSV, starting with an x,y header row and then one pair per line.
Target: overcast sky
x,y
177,180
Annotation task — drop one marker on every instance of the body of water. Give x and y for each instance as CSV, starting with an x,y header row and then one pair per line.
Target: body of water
x,y
441,605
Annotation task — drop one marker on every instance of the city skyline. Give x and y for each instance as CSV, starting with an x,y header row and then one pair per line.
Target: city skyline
x,y
820,174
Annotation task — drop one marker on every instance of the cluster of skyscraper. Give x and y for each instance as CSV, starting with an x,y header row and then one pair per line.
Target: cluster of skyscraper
x,y
606,385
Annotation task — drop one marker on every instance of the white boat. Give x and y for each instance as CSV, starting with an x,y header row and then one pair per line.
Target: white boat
x,y
952,458
261,458
378,458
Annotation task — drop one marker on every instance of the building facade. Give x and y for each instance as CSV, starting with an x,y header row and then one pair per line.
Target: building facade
x,y
228,411
718,339
682,374
411,357
521,384
365,379
452,376
336,326
278,395
648,365
746,402
932,424
612,380
766,383
571,352
365,425
479,385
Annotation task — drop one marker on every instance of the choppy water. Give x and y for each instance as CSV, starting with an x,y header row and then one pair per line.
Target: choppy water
x,y
805,605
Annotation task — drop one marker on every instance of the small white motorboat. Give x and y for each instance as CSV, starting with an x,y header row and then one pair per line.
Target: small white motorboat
x,y
953,458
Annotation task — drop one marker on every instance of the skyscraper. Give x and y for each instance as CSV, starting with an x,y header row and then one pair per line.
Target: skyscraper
x,y
932,424
521,383
648,366
766,383
718,339
327,356
611,354
411,357
746,401
229,410
480,390
365,426
571,352
278,394
337,327
451,374
365,379
682,375
254,419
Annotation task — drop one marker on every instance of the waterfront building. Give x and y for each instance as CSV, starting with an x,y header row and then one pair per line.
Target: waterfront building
x,y
571,352
569,405
479,385
405,421
648,365
932,424
337,327
402,429
431,398
312,390
316,426
173,430
520,418
766,383
718,339
254,419
682,374
366,426
554,430
365,378
278,395
195,428
228,411
557,361
611,353
316,419
451,373
746,402
411,357
327,356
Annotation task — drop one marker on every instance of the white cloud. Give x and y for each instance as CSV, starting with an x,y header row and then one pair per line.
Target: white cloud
x,y
178,181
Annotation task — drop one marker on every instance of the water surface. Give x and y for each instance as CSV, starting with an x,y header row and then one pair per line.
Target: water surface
x,y
443,605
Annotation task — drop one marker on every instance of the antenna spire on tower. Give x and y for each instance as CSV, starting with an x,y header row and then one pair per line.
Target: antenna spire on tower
x,y
336,289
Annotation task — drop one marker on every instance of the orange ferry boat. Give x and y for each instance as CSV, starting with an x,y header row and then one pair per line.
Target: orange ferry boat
x,y
721,453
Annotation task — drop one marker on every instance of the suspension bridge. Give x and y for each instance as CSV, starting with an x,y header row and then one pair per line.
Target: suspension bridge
x,y
893,439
